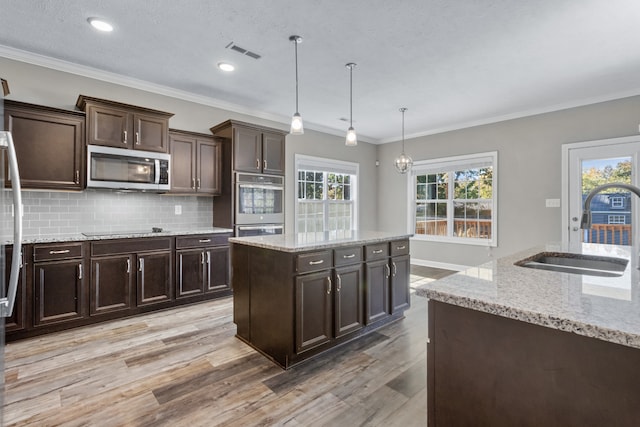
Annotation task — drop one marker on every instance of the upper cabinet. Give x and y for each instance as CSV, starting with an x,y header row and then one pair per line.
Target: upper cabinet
x,y
49,146
195,163
125,126
255,149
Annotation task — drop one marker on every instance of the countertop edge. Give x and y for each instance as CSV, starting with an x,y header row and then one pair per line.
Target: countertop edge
x,y
293,247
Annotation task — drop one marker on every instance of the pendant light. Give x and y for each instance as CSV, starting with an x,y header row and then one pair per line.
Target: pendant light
x,y
297,127
352,139
403,162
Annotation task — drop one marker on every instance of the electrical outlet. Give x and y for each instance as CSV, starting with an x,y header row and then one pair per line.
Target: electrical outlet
x,y
178,209
553,203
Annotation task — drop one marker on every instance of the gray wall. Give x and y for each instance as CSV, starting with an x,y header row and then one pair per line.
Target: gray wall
x,y
529,171
45,86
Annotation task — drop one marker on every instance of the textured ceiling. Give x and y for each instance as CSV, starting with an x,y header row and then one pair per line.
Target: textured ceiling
x,y
451,63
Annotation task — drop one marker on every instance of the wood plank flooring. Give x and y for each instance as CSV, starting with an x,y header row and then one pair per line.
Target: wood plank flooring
x,y
184,367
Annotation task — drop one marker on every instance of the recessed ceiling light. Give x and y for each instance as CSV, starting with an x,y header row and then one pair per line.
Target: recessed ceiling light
x,y
100,25
225,66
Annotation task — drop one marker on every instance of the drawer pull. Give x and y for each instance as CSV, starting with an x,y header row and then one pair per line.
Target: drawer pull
x,y
204,240
377,251
399,248
349,256
65,251
316,262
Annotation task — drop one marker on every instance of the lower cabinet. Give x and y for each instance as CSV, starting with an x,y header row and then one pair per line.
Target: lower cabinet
x,y
58,283
17,321
154,280
314,309
112,284
202,264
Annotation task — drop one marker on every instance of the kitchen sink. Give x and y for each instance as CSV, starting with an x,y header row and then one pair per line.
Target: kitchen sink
x,y
565,262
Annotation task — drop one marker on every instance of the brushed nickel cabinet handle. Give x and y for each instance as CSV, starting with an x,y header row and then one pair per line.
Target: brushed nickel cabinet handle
x,y
257,163
316,262
395,269
204,240
209,257
77,180
193,183
349,256
128,266
339,282
202,257
399,248
125,137
198,186
328,285
141,264
80,271
377,251
137,138
387,271
65,251
264,163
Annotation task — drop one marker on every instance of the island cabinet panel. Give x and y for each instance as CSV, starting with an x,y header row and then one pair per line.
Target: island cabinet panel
x,y
112,283
292,306
400,292
49,145
58,283
483,369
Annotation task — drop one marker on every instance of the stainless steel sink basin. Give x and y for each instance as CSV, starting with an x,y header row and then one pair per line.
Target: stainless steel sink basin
x,y
565,262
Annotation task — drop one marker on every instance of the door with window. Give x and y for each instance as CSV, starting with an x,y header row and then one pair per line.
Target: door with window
x,y
590,165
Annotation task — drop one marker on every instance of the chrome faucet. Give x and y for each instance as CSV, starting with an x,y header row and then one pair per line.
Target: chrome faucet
x,y
586,212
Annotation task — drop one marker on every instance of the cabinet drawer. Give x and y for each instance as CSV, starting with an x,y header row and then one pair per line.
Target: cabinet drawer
x,y
376,251
57,251
202,240
108,247
399,247
347,256
313,261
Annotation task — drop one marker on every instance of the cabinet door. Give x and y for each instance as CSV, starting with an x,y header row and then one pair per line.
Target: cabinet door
x,y
313,310
377,290
109,126
400,293
217,269
183,166
273,153
190,267
247,150
349,299
150,133
209,176
49,148
57,290
17,320
111,284
154,278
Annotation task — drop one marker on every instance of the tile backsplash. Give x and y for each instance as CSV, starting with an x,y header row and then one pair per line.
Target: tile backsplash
x,y
63,213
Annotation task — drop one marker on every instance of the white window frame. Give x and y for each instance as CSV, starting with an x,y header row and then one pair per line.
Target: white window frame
x,y
615,219
617,202
469,161
326,165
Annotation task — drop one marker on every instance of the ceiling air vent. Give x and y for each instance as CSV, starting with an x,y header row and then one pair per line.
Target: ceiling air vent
x,y
242,50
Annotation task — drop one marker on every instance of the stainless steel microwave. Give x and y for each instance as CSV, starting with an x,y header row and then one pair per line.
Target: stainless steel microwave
x,y
124,169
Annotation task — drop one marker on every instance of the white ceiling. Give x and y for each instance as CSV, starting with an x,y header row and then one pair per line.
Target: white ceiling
x,y
451,63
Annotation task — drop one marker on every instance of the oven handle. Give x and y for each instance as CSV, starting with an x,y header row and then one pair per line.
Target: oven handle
x,y
262,186
260,227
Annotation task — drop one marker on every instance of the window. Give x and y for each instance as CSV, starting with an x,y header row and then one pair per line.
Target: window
x,y
616,219
617,202
326,191
454,199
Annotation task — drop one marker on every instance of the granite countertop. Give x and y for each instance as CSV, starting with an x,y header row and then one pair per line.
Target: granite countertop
x,y
106,235
323,240
606,308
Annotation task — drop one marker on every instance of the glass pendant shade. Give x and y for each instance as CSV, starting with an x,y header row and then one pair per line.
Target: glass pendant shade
x,y
297,127
351,137
403,162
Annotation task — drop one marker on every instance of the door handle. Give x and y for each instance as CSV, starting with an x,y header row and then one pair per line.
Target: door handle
x,y
80,271
137,138
395,269
125,137
264,164
328,285
339,284
141,264
128,266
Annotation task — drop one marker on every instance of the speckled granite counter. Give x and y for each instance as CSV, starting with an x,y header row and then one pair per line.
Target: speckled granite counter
x,y
311,241
599,307
79,237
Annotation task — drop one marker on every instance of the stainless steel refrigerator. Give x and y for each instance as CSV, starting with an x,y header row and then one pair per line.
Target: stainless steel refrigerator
x,y
10,231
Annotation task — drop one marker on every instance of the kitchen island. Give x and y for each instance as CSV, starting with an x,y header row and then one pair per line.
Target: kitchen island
x,y
298,295
510,345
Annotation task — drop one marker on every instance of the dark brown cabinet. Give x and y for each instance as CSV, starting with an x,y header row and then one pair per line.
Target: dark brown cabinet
x,y
377,291
400,272
17,321
112,284
202,264
129,273
255,149
195,163
114,124
349,300
49,146
58,277
314,310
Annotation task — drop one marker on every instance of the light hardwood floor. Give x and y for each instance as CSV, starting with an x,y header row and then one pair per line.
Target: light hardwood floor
x,y
184,367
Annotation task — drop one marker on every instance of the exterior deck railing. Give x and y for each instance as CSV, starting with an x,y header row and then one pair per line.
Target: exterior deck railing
x,y
618,234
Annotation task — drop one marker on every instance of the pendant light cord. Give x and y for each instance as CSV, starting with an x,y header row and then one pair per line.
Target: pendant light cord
x,y
351,96
295,41
403,110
